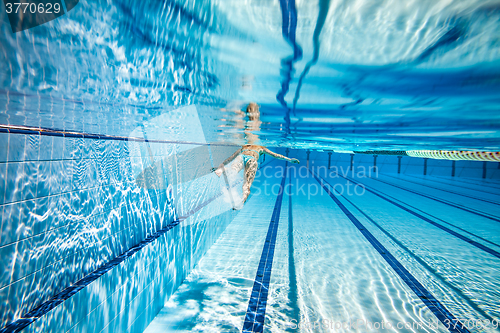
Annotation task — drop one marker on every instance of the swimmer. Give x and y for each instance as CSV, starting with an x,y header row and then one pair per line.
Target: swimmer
x,y
247,157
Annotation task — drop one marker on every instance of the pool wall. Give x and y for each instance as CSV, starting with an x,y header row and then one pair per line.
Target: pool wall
x,y
72,205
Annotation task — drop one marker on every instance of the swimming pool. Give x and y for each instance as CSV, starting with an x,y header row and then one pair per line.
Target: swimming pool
x,y
114,116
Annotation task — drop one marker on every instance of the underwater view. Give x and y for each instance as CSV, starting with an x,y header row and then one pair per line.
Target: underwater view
x,y
249,166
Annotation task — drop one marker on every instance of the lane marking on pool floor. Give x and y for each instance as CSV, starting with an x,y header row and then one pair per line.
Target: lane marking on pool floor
x,y
467,209
443,181
438,309
441,220
443,190
292,274
423,218
256,311
422,262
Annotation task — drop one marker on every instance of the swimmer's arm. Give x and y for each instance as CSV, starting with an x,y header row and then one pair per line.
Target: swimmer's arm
x,y
281,157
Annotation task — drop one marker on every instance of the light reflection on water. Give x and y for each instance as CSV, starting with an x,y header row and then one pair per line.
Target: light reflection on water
x,y
372,76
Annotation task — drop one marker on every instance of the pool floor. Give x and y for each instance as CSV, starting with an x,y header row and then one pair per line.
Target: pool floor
x,y
327,276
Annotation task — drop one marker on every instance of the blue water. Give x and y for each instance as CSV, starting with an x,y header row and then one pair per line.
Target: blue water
x,y
150,97
327,74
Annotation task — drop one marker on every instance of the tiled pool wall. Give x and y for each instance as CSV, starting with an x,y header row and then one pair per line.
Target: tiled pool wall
x,y
409,165
71,205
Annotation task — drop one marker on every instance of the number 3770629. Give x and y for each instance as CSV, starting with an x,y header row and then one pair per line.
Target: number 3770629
x,y
33,8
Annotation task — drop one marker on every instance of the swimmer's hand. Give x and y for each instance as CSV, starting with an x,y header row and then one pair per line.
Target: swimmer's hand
x,y
218,171
295,161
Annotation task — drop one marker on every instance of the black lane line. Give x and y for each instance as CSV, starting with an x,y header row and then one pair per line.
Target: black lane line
x,y
437,218
461,183
438,309
492,184
452,182
42,309
444,181
440,189
430,269
293,294
256,312
438,200
442,227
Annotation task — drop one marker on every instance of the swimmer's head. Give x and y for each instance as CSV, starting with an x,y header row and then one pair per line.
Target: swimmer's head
x,y
253,111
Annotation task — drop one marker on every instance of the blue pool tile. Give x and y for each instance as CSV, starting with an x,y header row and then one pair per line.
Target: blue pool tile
x,y
4,147
258,327
259,317
43,181
45,148
139,325
32,147
70,239
79,148
76,199
5,307
87,148
44,208
247,326
3,174
60,180
27,219
27,287
14,301
75,308
67,176
30,180
10,223
70,148
57,148
23,265
91,207
7,257
57,172
120,322
17,147
46,246
80,174
14,182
